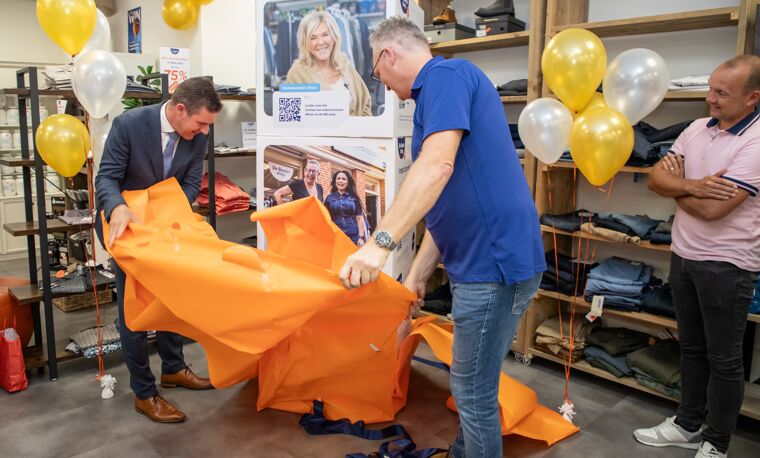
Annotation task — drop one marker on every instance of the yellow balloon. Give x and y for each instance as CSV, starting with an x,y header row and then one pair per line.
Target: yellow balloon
x,y
597,100
180,14
573,65
63,141
601,142
69,23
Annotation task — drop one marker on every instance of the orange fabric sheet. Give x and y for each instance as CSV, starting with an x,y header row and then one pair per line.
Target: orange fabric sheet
x,y
284,316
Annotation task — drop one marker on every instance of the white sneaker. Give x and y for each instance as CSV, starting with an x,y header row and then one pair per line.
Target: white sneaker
x,y
707,450
669,434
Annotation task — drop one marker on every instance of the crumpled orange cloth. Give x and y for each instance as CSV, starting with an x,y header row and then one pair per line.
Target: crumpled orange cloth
x,y
283,314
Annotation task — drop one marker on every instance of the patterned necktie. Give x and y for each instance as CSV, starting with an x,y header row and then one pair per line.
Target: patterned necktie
x,y
169,152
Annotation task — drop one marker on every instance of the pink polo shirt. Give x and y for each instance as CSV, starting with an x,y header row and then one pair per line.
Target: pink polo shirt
x,y
706,150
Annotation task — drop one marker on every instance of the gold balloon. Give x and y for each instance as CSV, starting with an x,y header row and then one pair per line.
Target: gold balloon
x,y
180,14
601,142
597,100
69,23
573,64
63,141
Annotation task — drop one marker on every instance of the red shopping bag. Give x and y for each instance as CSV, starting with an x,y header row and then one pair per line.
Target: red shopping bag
x,y
12,370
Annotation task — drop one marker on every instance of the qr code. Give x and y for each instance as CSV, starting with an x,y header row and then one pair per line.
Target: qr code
x,y
290,109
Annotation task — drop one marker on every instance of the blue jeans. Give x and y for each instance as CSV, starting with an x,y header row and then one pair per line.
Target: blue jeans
x,y
486,316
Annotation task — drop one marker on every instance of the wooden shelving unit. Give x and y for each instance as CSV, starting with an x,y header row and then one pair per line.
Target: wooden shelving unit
x,y
30,294
32,228
585,235
514,99
675,22
565,14
507,40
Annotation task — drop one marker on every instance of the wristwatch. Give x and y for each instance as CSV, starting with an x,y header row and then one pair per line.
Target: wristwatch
x,y
384,240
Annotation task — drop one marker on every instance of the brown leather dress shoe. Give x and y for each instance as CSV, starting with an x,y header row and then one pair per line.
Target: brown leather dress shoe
x,y
447,16
186,379
159,410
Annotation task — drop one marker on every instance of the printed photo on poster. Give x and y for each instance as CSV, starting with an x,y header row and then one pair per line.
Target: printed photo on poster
x,y
349,181
134,30
318,62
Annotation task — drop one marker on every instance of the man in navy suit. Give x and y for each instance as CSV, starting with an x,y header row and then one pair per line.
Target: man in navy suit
x,y
147,145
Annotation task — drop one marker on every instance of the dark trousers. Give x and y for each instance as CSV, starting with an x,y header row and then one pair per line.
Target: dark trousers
x,y
711,300
134,347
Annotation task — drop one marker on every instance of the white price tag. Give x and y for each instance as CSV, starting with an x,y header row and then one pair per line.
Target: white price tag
x,y
480,33
597,305
61,106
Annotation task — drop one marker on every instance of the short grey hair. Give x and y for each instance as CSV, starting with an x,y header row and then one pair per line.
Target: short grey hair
x,y
315,163
399,30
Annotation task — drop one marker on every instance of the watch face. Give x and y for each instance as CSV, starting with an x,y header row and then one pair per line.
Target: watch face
x,y
383,239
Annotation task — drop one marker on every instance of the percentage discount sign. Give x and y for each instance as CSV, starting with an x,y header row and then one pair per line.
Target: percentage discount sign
x,y
175,62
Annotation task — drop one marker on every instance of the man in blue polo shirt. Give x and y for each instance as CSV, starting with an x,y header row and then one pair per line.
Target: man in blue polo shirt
x,y
467,182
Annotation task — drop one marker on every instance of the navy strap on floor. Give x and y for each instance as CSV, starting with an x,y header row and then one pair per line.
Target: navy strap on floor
x,y
429,362
401,447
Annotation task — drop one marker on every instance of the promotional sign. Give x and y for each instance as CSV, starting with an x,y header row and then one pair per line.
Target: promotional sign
x,y
134,30
176,63
249,134
304,105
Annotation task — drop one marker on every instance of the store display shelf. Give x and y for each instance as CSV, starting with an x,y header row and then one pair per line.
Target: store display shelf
x,y
571,165
32,228
238,153
12,150
586,235
17,162
250,98
674,22
506,40
686,96
29,294
69,94
640,317
750,406
37,357
10,126
514,99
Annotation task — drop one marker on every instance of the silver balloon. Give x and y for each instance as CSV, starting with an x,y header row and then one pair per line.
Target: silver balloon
x,y
101,37
99,81
635,83
544,127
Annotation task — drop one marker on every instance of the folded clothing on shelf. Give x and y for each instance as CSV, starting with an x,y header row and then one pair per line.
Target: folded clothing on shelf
x,y
609,234
570,222
549,335
690,82
514,87
564,274
229,198
659,301
615,365
623,283
514,132
755,305
86,341
661,362
645,380
617,341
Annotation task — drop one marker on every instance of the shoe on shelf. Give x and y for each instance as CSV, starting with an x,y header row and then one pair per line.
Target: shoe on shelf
x,y
447,16
186,379
707,450
669,434
159,410
497,8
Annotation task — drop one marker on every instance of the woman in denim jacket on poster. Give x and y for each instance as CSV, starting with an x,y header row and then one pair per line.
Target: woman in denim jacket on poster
x,y
345,207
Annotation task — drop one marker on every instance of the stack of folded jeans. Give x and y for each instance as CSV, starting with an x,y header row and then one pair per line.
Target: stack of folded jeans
x,y
133,86
549,338
661,234
565,274
623,283
615,365
658,367
651,144
570,222
514,132
659,301
635,227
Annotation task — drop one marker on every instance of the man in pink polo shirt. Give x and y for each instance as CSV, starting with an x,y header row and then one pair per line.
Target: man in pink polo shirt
x,y
713,173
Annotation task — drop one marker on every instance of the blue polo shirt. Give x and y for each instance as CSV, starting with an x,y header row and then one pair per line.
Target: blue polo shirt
x,y
484,223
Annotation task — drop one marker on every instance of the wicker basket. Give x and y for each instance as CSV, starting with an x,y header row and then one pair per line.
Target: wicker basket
x,y
82,301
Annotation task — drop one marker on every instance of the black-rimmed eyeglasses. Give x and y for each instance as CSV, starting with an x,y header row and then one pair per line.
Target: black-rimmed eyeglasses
x,y
374,77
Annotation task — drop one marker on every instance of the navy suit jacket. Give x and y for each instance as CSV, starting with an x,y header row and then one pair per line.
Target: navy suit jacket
x,y
133,159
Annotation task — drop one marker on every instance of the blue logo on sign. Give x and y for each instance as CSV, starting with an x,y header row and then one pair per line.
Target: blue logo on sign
x,y
175,51
405,6
401,148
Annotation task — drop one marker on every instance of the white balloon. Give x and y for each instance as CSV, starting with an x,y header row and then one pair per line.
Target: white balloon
x,y
635,83
101,37
544,126
99,82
